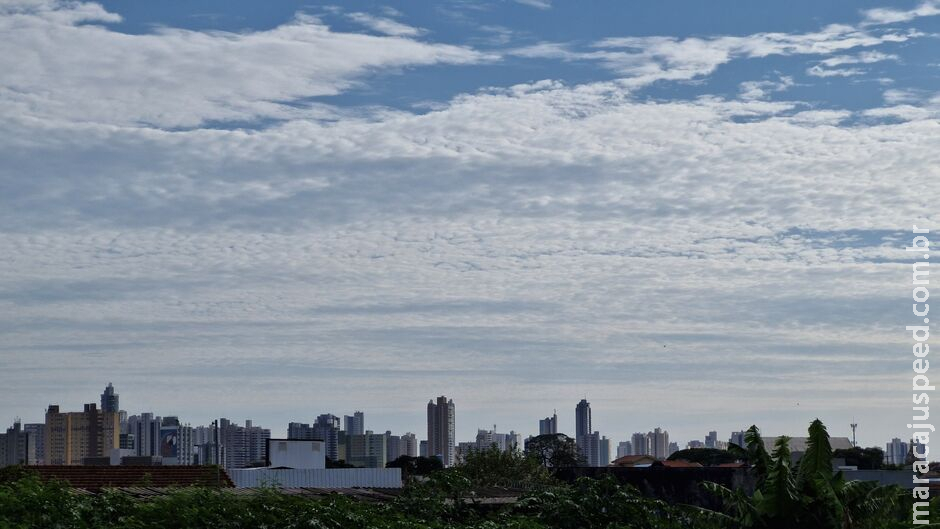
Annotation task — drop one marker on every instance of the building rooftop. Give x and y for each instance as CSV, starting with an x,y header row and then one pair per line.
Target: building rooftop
x,y
100,477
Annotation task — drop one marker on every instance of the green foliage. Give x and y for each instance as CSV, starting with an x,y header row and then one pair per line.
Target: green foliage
x,y
416,466
810,495
494,467
554,451
863,458
707,456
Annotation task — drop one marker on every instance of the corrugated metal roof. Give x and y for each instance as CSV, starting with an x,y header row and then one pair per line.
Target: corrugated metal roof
x,y
338,478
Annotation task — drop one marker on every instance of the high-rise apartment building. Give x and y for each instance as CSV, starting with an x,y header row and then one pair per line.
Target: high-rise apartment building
x,y
659,443
549,425
711,440
299,431
242,446
71,437
504,442
641,444
17,446
368,450
38,431
441,430
409,443
738,439
176,442
896,452
624,448
146,431
109,400
582,431
326,429
354,424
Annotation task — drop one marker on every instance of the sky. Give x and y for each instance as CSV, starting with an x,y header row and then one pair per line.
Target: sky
x,y
691,213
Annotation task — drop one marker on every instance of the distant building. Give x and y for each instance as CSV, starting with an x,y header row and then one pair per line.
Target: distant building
x,y
368,450
242,446
17,446
441,430
549,425
464,448
38,431
409,445
896,452
146,431
695,443
603,452
504,442
673,448
624,448
71,437
711,440
299,431
641,444
109,400
738,439
326,429
176,442
423,449
659,443
354,424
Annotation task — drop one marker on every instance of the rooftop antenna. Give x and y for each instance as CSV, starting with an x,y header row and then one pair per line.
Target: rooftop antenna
x,y
854,425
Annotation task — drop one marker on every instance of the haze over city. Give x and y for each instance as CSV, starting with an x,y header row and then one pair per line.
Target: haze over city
x,y
691,214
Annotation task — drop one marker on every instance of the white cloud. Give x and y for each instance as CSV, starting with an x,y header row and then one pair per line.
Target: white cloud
x,y
386,26
885,15
644,60
180,78
751,90
538,4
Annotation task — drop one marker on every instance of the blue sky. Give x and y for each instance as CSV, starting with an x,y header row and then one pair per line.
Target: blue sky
x,y
689,212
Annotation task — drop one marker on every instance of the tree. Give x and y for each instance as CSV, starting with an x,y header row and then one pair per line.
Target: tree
x,y
810,495
706,456
863,458
493,466
554,450
415,466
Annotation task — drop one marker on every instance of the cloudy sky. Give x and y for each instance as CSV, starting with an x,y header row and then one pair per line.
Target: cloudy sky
x,y
688,212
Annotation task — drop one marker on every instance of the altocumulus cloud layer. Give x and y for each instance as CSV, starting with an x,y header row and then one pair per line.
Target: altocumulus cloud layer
x,y
185,214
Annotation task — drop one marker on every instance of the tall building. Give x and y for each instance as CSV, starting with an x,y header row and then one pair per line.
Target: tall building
x,y
595,449
299,431
641,444
109,400
624,448
71,437
711,440
659,443
896,452
326,429
423,449
603,452
441,430
176,442
738,439
367,450
582,431
504,442
38,431
549,425
17,446
242,446
393,446
354,424
673,448
146,431
409,443
206,450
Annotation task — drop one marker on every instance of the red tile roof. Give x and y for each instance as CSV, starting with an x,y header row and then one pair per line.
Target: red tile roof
x,y
99,477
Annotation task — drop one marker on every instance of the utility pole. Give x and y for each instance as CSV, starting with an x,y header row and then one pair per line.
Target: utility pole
x,y
854,425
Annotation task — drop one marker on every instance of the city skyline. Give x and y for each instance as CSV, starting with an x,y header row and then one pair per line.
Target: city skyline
x,y
693,213
343,423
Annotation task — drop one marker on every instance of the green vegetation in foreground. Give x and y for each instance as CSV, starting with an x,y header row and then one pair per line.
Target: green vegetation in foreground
x,y
806,497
